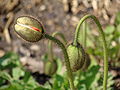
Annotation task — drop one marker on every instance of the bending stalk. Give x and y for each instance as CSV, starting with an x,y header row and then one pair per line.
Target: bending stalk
x,y
67,63
103,42
50,48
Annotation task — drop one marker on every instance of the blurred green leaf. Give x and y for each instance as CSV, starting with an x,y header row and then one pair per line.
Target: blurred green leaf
x,y
6,76
17,73
31,82
89,76
117,19
109,29
58,81
9,60
41,88
82,87
26,77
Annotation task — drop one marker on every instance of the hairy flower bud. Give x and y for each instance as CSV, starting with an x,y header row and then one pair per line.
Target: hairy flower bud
x,y
87,62
29,28
76,56
50,67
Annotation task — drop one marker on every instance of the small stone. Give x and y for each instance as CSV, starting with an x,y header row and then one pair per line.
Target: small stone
x,y
42,8
35,47
2,53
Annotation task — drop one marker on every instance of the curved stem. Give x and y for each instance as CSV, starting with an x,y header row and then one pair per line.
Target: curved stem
x,y
60,35
103,42
67,63
84,31
50,48
50,51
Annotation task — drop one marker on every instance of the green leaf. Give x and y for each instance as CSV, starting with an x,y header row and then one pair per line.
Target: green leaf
x,y
89,76
6,76
117,33
31,82
9,60
82,87
17,73
117,19
41,88
26,77
16,85
109,29
58,81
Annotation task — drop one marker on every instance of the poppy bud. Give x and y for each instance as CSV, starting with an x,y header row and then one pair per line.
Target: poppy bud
x,y
76,56
50,67
87,62
29,28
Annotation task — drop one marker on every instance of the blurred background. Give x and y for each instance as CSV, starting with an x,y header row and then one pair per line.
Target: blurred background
x,y
62,16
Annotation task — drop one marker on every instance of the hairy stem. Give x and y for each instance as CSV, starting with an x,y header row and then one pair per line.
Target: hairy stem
x,y
103,42
84,31
50,48
61,36
67,63
50,51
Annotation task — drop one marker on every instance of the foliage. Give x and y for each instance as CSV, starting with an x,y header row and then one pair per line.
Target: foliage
x,y
112,33
14,77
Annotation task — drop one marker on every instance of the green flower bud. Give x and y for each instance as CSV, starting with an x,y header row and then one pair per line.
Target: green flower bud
x,y
29,28
76,56
50,67
87,62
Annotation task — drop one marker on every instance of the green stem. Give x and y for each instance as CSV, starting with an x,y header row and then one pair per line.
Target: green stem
x,y
67,63
61,36
50,48
103,42
50,51
84,34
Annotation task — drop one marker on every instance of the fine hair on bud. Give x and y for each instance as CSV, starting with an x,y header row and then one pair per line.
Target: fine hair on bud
x,y
76,56
50,67
29,28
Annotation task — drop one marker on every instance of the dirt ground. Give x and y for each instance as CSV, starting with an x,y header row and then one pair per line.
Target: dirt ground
x,y
56,15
